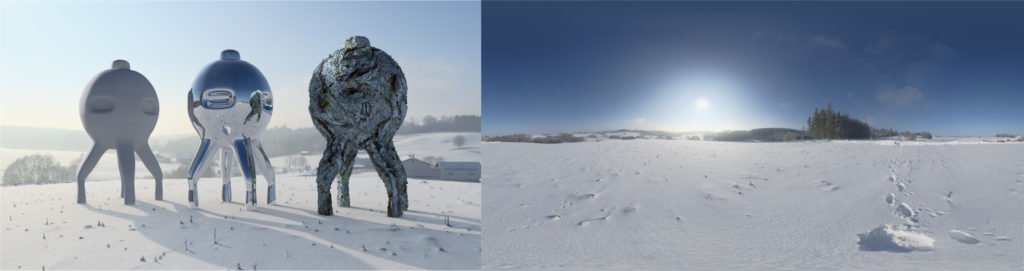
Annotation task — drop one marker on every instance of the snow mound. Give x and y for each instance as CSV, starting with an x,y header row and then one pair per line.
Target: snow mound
x,y
890,238
963,237
905,210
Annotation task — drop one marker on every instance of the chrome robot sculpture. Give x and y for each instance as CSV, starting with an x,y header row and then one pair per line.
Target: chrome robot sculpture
x,y
357,99
230,104
119,110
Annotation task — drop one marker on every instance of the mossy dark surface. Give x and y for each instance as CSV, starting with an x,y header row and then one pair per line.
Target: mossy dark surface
x,y
358,101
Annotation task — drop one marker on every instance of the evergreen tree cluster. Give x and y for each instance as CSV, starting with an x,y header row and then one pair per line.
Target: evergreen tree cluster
x,y
832,124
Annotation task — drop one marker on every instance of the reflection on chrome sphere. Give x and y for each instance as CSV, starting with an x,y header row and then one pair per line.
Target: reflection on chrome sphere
x,y
230,104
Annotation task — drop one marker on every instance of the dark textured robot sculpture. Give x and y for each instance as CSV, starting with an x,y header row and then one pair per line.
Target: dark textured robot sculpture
x,y
357,99
119,109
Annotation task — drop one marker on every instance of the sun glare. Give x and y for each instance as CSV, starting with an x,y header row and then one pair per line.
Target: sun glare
x,y
703,104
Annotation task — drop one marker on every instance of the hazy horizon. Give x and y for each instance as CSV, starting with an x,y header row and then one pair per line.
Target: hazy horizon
x,y
947,68
486,133
50,51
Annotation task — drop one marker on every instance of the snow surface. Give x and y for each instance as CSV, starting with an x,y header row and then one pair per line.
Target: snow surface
x,y
43,226
722,205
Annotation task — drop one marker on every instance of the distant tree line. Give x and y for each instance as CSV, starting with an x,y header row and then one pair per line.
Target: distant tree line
x,y
1006,135
548,139
831,124
883,132
623,137
431,124
760,135
281,140
915,135
39,169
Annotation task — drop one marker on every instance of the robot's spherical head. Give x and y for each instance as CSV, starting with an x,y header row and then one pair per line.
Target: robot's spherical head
x,y
118,104
230,98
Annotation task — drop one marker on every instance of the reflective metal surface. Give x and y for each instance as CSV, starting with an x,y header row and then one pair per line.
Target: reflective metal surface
x,y
230,104
119,109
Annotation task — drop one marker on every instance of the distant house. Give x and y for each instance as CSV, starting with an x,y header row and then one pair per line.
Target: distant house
x,y
455,171
460,171
362,161
416,168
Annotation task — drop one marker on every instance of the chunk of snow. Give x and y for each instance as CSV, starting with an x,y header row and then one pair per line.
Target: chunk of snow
x,y
904,210
890,238
963,237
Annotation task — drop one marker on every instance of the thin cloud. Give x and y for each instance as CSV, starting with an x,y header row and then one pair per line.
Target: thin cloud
x,y
900,97
827,42
879,47
939,49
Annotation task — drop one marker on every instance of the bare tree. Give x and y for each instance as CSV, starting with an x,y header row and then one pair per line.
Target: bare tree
x,y
459,141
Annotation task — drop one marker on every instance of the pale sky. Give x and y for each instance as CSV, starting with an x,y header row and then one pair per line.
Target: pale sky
x,y
50,51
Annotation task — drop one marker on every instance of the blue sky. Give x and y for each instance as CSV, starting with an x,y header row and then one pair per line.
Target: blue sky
x,y
948,68
49,51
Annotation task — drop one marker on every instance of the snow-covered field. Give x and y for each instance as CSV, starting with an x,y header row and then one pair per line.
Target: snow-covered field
x,y
44,227
439,145
754,206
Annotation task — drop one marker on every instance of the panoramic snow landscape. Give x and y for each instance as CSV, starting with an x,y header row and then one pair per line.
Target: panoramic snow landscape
x,y
43,227
953,204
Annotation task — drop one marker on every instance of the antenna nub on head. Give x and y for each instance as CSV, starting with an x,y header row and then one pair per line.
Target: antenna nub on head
x,y
120,65
230,54
356,42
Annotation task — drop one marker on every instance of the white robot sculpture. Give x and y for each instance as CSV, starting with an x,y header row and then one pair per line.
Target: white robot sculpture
x,y
119,110
230,104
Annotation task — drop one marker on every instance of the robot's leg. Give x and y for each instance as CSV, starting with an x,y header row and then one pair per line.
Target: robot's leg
x,y
88,163
195,171
330,165
380,153
263,163
244,151
149,159
347,164
226,166
126,164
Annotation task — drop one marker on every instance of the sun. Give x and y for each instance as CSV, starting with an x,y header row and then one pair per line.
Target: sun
x,y
703,104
